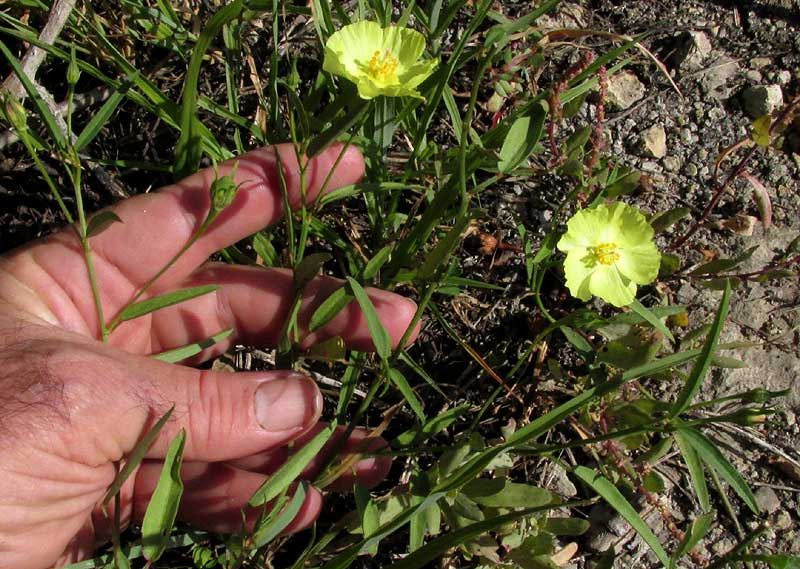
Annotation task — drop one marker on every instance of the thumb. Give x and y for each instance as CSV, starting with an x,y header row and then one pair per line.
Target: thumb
x,y
225,415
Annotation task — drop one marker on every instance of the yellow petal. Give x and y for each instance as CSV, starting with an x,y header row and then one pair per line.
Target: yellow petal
x,y
578,272
608,284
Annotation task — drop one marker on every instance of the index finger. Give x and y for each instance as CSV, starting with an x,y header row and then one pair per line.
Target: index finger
x,y
157,225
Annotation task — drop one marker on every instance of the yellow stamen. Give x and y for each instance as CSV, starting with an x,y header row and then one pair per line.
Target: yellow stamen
x,y
605,253
383,66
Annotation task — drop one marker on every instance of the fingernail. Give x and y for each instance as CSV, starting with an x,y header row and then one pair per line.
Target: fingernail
x,y
287,404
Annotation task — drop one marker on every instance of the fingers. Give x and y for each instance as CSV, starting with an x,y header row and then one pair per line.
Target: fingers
x,y
157,225
214,496
255,303
369,471
114,399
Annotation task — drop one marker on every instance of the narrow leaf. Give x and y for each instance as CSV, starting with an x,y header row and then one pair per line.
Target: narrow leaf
x,y
270,531
136,456
44,112
697,530
340,126
616,500
163,507
501,493
436,548
102,116
143,307
522,138
329,308
380,337
651,318
100,222
695,468
189,149
307,269
400,382
189,350
711,455
703,362
291,469
368,513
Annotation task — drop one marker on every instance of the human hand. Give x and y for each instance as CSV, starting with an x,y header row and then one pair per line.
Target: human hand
x,y
71,406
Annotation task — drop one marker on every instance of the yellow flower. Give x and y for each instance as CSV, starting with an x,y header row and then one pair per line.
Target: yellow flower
x,y
610,250
380,61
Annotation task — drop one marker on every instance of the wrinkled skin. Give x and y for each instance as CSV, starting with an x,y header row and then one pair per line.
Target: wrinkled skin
x,y
71,406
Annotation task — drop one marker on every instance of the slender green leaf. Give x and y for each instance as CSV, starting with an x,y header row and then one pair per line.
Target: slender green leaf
x,y
376,262
307,269
697,531
380,337
440,254
367,512
522,138
651,318
143,307
695,468
102,116
189,350
136,456
502,493
44,111
163,507
339,127
616,500
711,455
329,308
100,222
291,469
400,382
189,148
436,548
282,519
700,367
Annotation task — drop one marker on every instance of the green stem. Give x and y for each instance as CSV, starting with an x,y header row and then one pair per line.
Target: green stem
x,y
87,249
146,286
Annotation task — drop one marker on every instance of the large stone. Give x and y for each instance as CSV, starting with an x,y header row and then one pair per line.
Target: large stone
x,y
762,100
624,89
693,50
653,141
715,77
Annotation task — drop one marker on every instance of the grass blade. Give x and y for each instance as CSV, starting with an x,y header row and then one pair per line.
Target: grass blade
x,y
697,530
436,548
291,469
136,456
616,500
380,337
163,507
400,382
706,356
44,112
711,455
189,350
651,318
143,307
271,530
695,470
189,148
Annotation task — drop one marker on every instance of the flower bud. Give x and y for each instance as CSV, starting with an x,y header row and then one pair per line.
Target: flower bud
x,y
223,191
15,113
73,71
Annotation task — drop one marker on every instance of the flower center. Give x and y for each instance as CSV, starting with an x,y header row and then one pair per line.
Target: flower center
x,y
605,253
382,65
